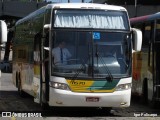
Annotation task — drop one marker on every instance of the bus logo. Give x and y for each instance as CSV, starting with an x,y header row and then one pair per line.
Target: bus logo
x,y
77,83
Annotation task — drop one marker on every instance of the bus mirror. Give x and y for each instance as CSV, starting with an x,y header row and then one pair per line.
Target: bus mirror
x,y
3,32
46,48
137,39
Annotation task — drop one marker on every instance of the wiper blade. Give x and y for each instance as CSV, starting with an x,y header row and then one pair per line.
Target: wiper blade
x,y
109,78
82,68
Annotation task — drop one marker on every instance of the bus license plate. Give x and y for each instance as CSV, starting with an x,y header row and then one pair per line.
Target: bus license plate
x,y
92,99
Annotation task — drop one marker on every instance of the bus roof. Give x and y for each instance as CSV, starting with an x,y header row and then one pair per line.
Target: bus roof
x,y
86,6
145,18
72,6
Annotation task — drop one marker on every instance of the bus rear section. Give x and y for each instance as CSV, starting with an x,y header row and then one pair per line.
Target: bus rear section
x,y
146,82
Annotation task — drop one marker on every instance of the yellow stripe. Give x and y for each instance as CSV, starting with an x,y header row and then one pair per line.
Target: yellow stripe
x,y
84,86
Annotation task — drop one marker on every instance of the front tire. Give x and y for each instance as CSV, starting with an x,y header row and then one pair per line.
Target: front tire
x,y
44,105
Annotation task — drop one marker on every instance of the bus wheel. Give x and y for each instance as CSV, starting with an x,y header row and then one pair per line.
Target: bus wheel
x,y
145,91
18,79
106,110
154,103
45,105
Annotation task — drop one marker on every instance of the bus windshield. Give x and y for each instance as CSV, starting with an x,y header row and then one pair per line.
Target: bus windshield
x,y
91,54
97,19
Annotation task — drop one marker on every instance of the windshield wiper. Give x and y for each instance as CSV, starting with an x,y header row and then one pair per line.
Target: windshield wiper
x,y
109,78
82,68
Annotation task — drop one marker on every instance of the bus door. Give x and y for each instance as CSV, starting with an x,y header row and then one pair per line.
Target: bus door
x,y
45,73
45,69
157,72
157,61
41,67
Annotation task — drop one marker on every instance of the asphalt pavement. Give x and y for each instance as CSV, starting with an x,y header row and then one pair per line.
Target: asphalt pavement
x,y
6,87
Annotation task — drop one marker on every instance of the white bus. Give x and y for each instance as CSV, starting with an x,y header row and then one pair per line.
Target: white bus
x,y
99,71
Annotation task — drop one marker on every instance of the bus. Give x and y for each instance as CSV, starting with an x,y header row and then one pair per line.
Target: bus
x,y
100,41
146,66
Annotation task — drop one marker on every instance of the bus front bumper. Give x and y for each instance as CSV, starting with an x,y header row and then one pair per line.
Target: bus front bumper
x,y
65,98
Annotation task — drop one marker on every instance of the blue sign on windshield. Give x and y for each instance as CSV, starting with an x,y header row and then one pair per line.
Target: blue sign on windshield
x,y
96,36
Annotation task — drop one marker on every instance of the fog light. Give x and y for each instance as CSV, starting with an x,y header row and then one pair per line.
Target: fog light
x,y
123,103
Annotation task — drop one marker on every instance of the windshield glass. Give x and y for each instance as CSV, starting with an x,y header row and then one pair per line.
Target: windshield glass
x,y
91,54
97,19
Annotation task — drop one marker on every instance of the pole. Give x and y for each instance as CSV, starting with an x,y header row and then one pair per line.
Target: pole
x,y
135,8
0,61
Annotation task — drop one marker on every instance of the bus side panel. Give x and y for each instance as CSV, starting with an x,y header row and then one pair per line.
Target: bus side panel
x,y
23,70
26,53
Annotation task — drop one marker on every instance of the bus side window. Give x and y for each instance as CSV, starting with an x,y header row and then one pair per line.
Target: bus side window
x,y
158,31
47,16
149,35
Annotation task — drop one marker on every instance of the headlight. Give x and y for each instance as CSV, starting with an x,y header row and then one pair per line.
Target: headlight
x,y
57,85
123,87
